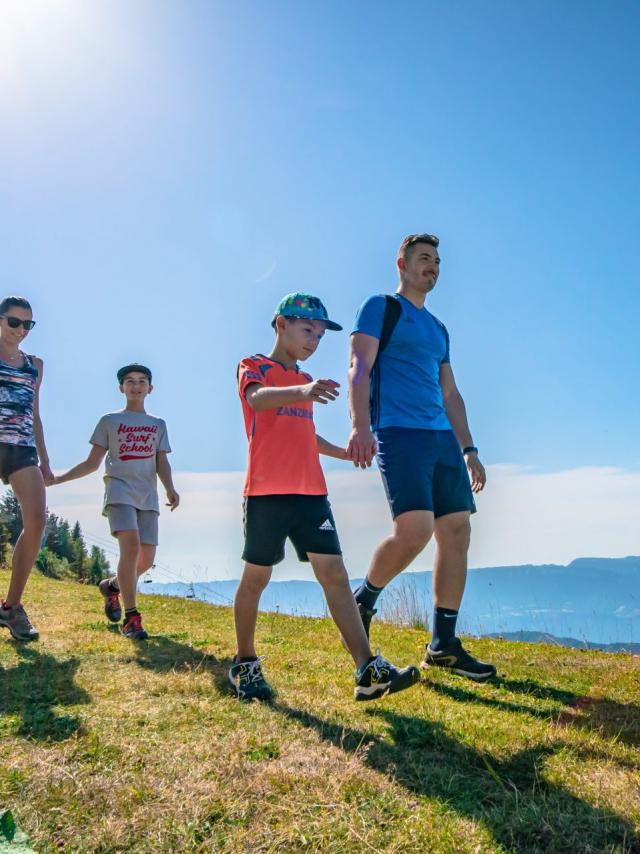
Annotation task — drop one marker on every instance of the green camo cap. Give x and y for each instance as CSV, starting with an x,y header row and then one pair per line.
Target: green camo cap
x,y
305,306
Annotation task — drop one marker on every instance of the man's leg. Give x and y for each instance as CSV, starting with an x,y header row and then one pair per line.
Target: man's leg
x,y
332,576
453,535
245,607
28,487
411,533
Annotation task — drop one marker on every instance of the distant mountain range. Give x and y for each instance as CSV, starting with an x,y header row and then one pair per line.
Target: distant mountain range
x,y
589,601
542,637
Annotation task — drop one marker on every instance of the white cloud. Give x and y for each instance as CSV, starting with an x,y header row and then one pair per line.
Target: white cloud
x,y
524,517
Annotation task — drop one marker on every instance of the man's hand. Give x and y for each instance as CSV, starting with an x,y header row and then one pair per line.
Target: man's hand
x,y
47,475
321,391
477,474
361,447
173,499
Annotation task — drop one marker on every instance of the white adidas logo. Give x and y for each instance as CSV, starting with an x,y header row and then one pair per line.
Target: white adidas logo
x,y
326,526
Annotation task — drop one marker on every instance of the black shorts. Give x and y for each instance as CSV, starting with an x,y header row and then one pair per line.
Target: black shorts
x,y
15,457
306,520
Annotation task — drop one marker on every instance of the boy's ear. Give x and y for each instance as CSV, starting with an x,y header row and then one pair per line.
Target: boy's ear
x,y
401,264
121,387
281,322
150,388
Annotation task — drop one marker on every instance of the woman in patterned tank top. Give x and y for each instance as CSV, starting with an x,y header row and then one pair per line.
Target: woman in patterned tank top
x,y
24,463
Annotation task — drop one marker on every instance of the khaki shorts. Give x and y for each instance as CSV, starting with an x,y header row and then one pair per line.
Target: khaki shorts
x,y
125,517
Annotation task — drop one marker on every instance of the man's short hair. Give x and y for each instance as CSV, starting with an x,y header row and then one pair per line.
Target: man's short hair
x,y
406,247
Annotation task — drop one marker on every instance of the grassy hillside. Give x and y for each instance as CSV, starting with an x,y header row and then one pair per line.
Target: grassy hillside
x,y
111,746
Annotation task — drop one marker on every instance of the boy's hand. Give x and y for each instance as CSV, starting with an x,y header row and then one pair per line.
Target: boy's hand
x,y
173,499
47,475
321,391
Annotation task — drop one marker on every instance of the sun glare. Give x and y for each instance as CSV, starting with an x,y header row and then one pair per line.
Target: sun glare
x,y
33,36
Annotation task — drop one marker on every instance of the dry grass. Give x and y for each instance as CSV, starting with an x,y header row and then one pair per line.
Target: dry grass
x,y
110,746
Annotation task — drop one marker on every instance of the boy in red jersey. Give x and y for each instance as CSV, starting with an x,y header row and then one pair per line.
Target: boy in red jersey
x,y
286,497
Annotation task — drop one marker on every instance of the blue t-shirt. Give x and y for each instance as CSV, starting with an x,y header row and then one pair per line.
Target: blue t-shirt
x,y
405,382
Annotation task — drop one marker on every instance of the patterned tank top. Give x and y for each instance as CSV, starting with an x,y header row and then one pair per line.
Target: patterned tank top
x,y
17,394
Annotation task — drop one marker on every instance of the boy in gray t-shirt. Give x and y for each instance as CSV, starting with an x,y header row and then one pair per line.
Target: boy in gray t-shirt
x,y
136,446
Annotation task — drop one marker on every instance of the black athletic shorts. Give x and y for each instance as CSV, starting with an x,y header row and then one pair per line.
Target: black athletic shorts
x,y
306,520
15,457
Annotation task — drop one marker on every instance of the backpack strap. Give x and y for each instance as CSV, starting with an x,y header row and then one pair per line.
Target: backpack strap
x,y
392,312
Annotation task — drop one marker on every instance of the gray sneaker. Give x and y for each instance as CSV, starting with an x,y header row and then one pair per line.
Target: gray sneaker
x,y
15,619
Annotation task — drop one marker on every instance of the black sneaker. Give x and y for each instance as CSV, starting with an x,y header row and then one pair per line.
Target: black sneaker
x,y
455,658
247,680
366,615
112,607
132,628
379,677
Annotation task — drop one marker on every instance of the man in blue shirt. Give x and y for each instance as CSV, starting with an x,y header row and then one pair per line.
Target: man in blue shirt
x,y
406,408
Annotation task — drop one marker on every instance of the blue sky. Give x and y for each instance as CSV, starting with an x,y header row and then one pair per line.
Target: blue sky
x,y
171,169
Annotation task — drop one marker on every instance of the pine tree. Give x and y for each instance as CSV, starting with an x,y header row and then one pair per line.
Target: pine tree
x,y
64,541
98,565
5,541
11,515
51,541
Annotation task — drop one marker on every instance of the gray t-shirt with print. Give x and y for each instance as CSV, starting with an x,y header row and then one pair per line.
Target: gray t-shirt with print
x,y
132,440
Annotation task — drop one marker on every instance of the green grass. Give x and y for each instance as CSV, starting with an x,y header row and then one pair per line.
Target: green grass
x,y
110,746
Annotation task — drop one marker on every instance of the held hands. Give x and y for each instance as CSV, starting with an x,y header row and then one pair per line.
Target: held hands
x,y
47,475
173,499
477,474
361,448
320,391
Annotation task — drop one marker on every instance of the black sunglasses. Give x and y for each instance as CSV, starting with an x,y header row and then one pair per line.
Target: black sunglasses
x,y
424,238
15,322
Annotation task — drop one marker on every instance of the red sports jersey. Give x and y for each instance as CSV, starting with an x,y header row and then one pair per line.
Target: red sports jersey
x,y
283,449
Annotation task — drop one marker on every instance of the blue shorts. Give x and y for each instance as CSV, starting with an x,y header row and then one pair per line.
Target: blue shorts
x,y
423,470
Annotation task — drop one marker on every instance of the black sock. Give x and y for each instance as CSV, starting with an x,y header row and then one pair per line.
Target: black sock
x,y
112,587
247,658
367,594
444,627
131,612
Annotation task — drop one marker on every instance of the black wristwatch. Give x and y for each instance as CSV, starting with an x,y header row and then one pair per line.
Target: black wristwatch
x,y
470,449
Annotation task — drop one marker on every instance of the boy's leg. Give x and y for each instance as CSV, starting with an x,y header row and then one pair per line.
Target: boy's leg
x,y
245,607
145,558
129,542
375,676
332,575
28,487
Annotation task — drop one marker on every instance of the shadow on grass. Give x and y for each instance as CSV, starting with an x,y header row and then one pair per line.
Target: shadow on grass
x,y
509,796
620,721
165,655
34,687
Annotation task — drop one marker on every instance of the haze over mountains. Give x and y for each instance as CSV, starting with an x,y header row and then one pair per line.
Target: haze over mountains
x,y
591,600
